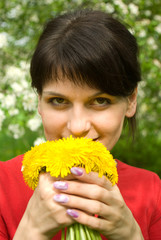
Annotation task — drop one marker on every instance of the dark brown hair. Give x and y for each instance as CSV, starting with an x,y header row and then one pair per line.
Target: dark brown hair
x,y
88,47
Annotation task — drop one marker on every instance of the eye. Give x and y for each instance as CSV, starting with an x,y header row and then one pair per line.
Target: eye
x,y
101,101
57,101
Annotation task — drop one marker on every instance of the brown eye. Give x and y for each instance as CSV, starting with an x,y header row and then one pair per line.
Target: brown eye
x,y
101,101
57,101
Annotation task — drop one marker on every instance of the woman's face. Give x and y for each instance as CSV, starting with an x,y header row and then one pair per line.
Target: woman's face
x,y
67,109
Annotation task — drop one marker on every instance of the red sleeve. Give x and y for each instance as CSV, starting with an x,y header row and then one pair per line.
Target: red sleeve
x,y
3,230
155,226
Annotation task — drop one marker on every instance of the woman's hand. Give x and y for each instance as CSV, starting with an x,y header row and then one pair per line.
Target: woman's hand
x,y
93,195
43,217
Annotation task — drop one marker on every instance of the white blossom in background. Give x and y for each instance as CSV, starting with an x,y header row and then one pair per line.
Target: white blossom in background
x,y
159,95
8,101
132,31
39,140
158,28
15,12
17,88
13,112
122,5
157,63
109,8
25,84
29,101
134,9
34,123
24,65
21,41
148,13
144,132
76,1
14,73
16,130
48,1
143,108
144,22
2,117
152,43
157,18
1,96
34,17
142,33
3,39
141,92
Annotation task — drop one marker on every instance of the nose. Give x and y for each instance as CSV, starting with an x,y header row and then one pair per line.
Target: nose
x,y
79,124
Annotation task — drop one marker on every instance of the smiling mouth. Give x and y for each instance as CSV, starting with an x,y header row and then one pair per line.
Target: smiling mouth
x,y
95,139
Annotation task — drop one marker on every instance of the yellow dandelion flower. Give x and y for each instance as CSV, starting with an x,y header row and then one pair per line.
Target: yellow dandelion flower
x,y
58,157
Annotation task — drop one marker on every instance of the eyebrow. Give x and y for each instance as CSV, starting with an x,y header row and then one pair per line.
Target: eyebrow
x,y
51,93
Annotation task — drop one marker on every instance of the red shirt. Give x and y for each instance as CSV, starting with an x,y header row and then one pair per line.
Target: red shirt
x,y
141,190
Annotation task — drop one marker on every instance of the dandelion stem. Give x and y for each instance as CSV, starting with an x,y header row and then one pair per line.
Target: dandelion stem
x,y
82,233
76,229
63,234
92,235
87,232
71,232
67,234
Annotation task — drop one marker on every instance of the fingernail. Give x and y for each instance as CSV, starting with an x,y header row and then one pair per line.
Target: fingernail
x,y
61,185
72,213
76,171
61,198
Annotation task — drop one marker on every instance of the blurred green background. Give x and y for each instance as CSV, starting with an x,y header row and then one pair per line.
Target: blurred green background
x,y
21,22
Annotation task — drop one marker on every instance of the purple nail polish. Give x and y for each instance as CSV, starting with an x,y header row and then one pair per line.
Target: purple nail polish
x,y
72,213
61,198
61,185
76,171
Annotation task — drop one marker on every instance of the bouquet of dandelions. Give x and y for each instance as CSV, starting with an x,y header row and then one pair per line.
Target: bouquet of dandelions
x,y
57,158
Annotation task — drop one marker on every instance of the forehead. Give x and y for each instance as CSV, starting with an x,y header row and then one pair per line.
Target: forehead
x,y
65,85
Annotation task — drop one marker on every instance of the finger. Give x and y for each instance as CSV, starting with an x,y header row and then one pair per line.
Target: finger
x,y
86,190
45,183
92,222
91,177
46,176
92,207
116,227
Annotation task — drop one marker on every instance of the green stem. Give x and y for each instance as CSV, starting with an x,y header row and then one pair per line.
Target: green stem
x,y
98,237
76,229
82,233
63,234
87,232
67,234
92,235
71,232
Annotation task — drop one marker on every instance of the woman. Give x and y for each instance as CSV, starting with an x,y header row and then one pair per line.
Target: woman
x,y
86,72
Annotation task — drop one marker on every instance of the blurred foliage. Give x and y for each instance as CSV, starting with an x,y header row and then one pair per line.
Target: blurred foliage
x,y
21,22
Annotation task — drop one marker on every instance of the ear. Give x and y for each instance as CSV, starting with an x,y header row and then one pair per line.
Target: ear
x,y
39,104
132,103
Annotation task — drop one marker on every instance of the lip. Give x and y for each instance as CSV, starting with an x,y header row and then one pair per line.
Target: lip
x,y
95,139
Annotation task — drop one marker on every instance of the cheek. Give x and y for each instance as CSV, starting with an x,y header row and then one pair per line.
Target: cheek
x,y
112,121
52,123
117,122
111,131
